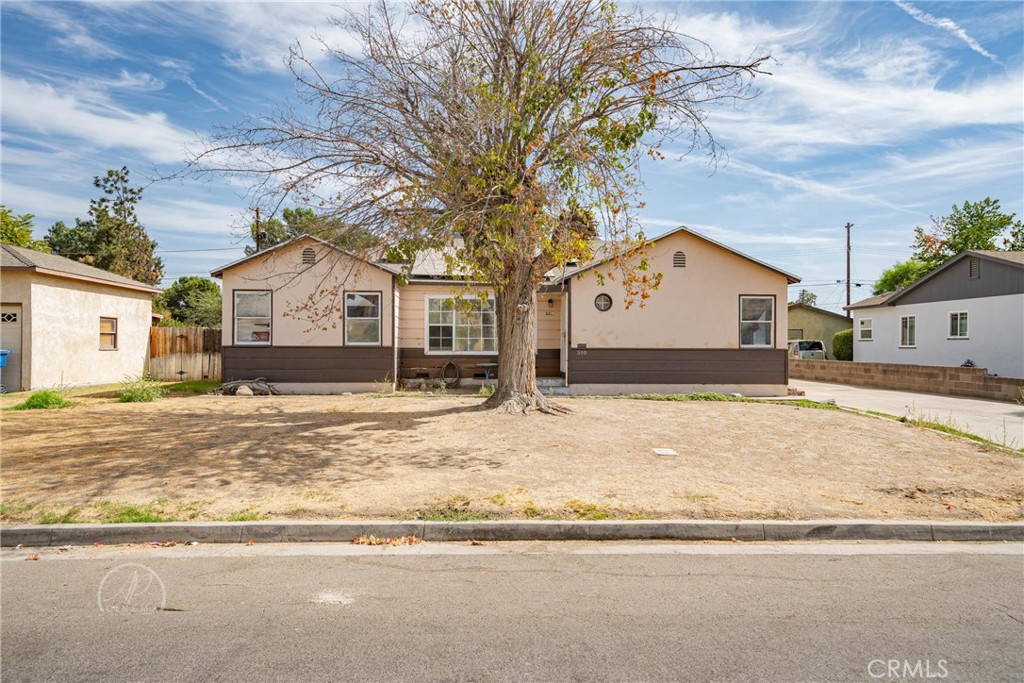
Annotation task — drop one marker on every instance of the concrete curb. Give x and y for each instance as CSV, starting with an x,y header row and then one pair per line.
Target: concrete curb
x,y
675,530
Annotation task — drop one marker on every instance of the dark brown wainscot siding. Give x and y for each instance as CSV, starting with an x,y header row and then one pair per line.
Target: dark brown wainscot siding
x,y
547,363
677,366
308,363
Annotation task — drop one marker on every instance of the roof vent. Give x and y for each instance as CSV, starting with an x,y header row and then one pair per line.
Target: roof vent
x,y
679,260
308,256
973,268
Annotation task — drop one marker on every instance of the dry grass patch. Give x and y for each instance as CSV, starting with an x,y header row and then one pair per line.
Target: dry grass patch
x,y
351,457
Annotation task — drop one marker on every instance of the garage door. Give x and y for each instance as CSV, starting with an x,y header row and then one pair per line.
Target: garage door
x,y
10,338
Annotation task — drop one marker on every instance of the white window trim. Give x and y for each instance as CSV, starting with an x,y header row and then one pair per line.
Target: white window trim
x,y
860,329
914,344
236,317
949,320
772,322
426,330
379,318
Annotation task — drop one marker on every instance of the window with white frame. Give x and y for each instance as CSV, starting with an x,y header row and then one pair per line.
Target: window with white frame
x,y
362,318
958,325
757,321
466,326
908,331
252,317
864,330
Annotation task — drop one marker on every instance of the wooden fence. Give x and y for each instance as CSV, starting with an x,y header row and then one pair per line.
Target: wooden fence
x,y
184,354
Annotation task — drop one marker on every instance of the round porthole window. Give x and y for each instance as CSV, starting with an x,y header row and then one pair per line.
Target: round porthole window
x,y
603,302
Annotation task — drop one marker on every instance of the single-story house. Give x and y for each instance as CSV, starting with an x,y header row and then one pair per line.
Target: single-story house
x,y
970,309
811,322
315,318
67,323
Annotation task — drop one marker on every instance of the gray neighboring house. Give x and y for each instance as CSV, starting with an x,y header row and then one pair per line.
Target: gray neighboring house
x,y
67,323
971,308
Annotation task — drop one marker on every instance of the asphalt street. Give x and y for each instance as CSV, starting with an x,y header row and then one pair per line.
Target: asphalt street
x,y
998,421
516,611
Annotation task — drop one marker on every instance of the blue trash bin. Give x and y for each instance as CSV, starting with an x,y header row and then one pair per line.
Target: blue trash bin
x,y
3,364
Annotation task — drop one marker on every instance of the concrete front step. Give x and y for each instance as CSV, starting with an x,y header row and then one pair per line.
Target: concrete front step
x,y
545,382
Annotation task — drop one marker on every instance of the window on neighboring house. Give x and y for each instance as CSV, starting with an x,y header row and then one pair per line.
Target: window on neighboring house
x,y
467,326
757,319
864,331
973,268
958,325
602,302
796,333
679,260
362,319
252,317
308,256
108,334
908,331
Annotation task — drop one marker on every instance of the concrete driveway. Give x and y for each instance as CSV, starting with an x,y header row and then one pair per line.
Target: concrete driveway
x,y
998,421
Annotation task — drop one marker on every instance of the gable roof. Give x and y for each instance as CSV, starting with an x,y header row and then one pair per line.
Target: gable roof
x,y
1012,258
30,260
790,278
218,272
815,309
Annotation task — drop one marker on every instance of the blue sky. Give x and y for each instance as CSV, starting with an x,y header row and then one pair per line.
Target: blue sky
x,y
881,114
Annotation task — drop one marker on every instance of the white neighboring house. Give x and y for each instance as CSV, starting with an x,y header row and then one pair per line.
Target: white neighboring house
x,y
972,308
67,323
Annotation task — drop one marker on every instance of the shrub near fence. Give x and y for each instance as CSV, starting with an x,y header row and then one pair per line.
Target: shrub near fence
x,y
927,379
184,354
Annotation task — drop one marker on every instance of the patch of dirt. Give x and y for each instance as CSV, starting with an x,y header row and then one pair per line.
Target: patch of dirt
x,y
337,457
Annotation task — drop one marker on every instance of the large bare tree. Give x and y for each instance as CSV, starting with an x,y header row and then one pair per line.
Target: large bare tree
x,y
507,133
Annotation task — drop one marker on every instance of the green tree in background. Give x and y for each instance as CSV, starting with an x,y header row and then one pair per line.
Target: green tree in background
x,y
900,275
973,226
113,238
807,298
17,230
192,300
298,221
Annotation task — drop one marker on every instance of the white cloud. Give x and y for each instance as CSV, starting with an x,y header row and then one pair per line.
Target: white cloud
x,y
870,92
70,34
44,110
946,25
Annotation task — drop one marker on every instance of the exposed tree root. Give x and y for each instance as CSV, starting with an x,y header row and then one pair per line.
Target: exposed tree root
x,y
522,403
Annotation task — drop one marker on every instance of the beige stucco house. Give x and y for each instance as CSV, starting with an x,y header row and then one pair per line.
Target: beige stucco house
x,y
69,324
811,322
314,318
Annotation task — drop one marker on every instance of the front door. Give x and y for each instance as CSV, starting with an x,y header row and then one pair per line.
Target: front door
x,y
10,339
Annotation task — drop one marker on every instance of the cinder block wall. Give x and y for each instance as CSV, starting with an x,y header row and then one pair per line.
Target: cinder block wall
x,y
929,379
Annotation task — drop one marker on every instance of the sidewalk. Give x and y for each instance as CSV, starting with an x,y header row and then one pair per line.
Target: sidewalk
x,y
998,421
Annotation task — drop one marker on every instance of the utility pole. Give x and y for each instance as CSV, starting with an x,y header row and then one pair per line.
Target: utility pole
x,y
259,248
848,226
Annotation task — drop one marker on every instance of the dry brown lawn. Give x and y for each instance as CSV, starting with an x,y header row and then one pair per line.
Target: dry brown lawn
x,y
344,457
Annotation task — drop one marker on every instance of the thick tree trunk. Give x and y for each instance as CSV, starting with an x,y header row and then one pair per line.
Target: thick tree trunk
x,y
517,390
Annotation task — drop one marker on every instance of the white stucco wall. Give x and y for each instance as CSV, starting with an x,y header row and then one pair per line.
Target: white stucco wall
x,y
695,307
995,334
64,341
321,285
